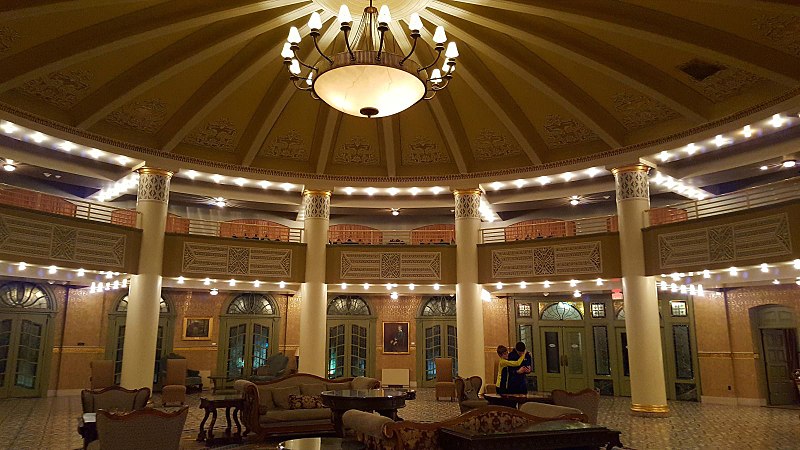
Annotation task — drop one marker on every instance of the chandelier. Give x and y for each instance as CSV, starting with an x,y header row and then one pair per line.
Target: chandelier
x,y
369,78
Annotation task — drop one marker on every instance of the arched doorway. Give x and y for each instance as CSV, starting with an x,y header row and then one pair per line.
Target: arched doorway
x,y
777,343
436,336
116,334
248,333
563,339
351,338
26,333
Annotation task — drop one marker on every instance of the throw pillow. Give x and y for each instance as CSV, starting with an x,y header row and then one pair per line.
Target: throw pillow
x,y
469,391
265,397
305,402
281,396
363,383
312,389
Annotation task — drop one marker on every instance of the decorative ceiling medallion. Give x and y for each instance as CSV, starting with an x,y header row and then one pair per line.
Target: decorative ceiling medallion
x,y
561,132
145,115
7,38
287,146
782,31
639,111
491,144
423,150
63,89
719,84
357,150
218,135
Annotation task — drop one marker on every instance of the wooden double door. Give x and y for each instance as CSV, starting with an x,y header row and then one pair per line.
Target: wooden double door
x,y
23,339
248,342
349,343
438,339
564,358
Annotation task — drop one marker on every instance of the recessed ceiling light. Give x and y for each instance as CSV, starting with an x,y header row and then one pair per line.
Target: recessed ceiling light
x,y
395,212
523,285
9,166
67,146
219,201
519,183
567,176
436,286
214,291
592,172
691,149
436,190
38,137
123,160
414,190
95,153
719,140
393,191
9,127
664,156
264,184
257,284
371,191
191,174
777,121
240,182
543,180
497,185
287,186
764,167
789,163
747,131
282,285
217,178
349,190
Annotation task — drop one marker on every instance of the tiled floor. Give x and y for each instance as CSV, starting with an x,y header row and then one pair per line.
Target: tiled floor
x,y
51,424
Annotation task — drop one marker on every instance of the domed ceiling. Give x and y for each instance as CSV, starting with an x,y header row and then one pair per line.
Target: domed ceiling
x,y
539,83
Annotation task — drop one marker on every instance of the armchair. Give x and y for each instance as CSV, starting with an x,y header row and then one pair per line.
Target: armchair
x,y
144,428
174,390
274,367
587,401
467,393
114,398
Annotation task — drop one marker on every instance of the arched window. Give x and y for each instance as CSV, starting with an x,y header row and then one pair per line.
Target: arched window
x,y
163,306
24,295
253,304
348,305
440,305
561,311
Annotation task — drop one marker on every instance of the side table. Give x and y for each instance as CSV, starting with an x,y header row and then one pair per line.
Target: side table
x,y
210,404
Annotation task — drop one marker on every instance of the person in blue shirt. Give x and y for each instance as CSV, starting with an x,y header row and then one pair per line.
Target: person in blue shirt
x,y
504,368
517,383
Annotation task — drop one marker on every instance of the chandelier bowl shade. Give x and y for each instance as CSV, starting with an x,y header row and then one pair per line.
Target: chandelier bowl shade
x,y
366,87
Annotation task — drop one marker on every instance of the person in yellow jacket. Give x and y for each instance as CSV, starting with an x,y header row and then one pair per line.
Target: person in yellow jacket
x,y
503,368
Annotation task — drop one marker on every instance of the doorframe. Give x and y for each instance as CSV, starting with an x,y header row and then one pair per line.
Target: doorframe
x,y
758,321
48,333
224,318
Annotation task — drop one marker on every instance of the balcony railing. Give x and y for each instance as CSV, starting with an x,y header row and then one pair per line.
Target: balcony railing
x,y
253,231
550,229
768,194
39,201
391,237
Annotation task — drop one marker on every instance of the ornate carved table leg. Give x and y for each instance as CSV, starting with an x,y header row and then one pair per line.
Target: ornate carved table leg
x,y
236,413
201,435
210,437
228,421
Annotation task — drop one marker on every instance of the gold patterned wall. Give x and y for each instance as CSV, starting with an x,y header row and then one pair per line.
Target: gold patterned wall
x,y
760,235
550,259
50,239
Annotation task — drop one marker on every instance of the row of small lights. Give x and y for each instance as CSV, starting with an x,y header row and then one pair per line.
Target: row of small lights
x,y
96,286
731,271
544,180
123,186
43,140
392,191
723,140
678,186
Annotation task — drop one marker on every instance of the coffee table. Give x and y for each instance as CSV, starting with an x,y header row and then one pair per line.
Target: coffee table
x,y
514,400
385,402
324,443
552,434
210,403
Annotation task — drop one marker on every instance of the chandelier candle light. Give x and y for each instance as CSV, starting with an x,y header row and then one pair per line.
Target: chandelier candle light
x,y
371,81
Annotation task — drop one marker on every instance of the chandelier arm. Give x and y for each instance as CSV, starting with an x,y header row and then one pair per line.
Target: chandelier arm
x,y
316,45
415,36
439,49
347,42
380,45
300,61
433,94
300,87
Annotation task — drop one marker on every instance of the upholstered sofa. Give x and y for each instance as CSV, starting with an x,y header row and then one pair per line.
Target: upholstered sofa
x,y
292,404
378,432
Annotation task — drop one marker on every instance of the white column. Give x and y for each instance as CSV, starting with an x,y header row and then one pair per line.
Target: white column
x,y
141,323
313,306
469,309
648,389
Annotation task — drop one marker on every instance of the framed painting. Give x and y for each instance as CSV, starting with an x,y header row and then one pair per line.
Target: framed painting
x,y
395,338
197,328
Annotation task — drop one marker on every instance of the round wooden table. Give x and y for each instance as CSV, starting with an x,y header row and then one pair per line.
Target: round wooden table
x,y
385,402
323,443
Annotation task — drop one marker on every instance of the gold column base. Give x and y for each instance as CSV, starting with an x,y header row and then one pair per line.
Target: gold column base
x,y
650,410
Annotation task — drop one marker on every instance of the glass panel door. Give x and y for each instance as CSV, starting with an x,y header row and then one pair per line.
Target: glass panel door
x,y
5,355
336,351
358,351
553,374
433,350
574,359
120,344
27,356
235,361
452,347
624,371
260,347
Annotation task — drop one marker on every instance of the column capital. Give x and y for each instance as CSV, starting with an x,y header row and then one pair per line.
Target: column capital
x,y
632,182
468,203
317,204
153,184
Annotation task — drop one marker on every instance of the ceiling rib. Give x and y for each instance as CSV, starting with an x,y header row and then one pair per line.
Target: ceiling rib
x,y
509,114
139,26
20,9
447,120
386,128
276,100
656,26
544,77
165,64
233,74
329,135
597,54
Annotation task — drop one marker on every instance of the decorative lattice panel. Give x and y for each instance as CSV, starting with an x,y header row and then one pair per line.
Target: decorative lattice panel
x,y
213,259
562,259
748,239
391,265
